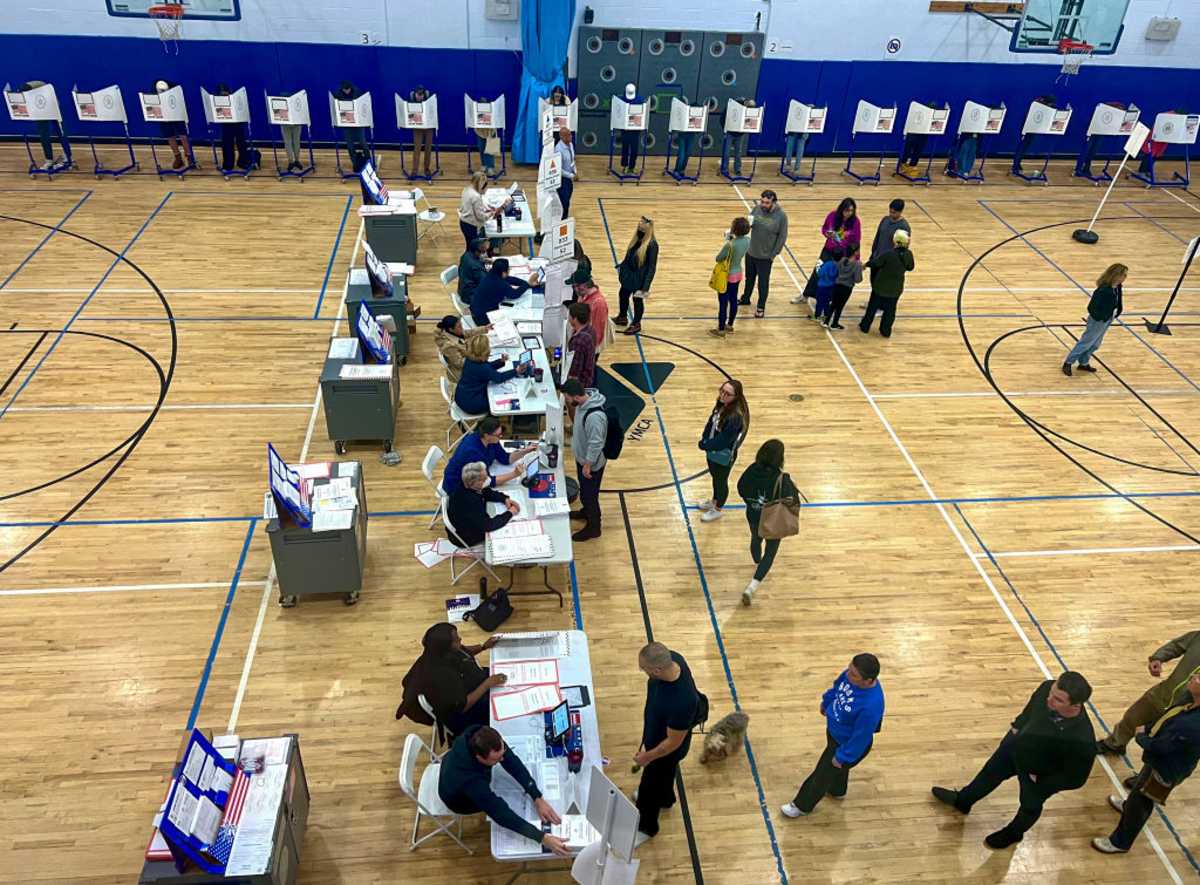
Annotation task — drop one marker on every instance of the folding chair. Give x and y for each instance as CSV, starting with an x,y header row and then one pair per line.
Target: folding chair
x,y
445,365
430,464
464,311
425,795
475,554
438,737
431,215
463,420
448,276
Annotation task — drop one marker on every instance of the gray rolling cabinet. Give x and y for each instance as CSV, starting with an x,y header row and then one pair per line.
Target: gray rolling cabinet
x,y
358,293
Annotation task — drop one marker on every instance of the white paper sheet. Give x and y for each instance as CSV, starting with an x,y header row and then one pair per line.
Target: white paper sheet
x,y
315,470
326,520
193,766
206,821
543,507
343,348
347,468
535,699
182,810
515,549
575,830
369,372
273,750
222,780
527,646
543,672
519,528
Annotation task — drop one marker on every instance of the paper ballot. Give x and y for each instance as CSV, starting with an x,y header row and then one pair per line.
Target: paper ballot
x,y
526,646
206,821
505,550
535,699
332,520
544,672
575,830
540,507
518,528
504,334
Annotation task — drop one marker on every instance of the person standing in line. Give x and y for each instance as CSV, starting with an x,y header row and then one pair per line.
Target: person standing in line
x,y
1170,751
762,482
422,136
566,155
826,276
672,708
588,293
887,284
849,273
853,711
635,273
888,225
1049,749
587,445
768,236
737,242
723,434
1168,693
841,227
1105,306
473,212
581,344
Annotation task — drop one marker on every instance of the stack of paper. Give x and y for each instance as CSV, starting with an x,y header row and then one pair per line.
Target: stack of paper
x,y
504,334
543,672
431,553
575,831
368,372
343,348
506,550
524,701
518,528
542,507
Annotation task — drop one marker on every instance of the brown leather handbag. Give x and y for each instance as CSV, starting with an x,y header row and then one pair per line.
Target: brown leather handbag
x,y
780,516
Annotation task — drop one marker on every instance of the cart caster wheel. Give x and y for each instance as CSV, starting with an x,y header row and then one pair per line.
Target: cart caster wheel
x,y
339,447
404,361
287,601
350,599
387,445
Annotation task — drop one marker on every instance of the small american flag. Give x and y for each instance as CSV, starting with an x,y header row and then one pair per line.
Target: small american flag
x,y
383,192
387,341
223,844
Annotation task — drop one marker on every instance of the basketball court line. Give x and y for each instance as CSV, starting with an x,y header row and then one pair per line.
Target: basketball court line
x,y
337,241
1089,551
1165,230
179,407
111,588
38,248
1004,608
115,290
1166,391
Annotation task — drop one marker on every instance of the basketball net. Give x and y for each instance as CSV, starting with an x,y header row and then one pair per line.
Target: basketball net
x,y
169,19
1073,52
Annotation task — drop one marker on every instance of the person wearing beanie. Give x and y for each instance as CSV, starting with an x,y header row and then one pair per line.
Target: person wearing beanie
x,y
887,283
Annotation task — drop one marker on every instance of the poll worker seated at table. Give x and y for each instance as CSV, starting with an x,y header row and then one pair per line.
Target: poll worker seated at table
x,y
465,785
468,511
471,392
453,683
472,268
451,340
495,288
482,444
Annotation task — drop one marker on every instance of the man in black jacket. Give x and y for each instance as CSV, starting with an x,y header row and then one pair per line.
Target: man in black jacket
x,y
466,508
1170,750
1050,748
465,785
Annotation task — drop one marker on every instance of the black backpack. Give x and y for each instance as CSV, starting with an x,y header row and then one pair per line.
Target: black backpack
x,y
614,438
491,612
701,711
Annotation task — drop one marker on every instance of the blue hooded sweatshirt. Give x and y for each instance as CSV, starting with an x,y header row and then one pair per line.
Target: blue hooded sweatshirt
x,y
853,715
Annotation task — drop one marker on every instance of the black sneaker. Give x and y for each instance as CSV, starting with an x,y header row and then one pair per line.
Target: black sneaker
x,y
1066,369
948,796
1084,368
1001,839
585,534
620,321
1103,748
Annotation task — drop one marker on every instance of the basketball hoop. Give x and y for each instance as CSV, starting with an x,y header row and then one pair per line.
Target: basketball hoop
x,y
169,19
1073,52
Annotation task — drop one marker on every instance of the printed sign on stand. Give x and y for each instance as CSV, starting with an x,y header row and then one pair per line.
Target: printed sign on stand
x,y
289,110
102,106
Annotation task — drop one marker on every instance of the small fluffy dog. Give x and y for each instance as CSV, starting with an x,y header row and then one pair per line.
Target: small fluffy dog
x,y
725,737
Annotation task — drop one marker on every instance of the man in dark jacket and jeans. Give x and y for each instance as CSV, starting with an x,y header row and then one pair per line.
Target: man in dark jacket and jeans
x,y
887,283
1049,749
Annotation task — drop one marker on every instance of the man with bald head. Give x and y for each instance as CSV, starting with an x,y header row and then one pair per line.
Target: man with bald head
x,y
566,156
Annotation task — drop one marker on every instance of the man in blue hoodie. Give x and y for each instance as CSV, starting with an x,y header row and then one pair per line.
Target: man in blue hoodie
x,y
853,711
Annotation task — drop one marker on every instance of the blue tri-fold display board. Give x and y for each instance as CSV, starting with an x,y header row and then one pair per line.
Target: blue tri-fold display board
x,y
287,488
373,184
374,339
195,811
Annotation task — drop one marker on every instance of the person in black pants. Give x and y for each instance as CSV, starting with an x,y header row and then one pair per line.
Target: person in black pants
x,y
355,136
453,684
768,236
723,434
887,284
233,138
587,445
763,481
671,711
1049,749
1170,751
635,274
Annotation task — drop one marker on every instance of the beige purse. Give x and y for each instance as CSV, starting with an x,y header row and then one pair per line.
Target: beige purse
x,y
780,516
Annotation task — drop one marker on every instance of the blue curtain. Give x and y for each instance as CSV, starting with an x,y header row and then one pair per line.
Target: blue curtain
x,y
545,36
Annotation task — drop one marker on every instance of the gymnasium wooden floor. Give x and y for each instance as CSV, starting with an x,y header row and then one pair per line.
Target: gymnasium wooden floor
x,y
157,334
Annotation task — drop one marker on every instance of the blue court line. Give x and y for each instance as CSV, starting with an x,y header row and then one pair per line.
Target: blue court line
x,y
712,616
63,332
45,239
216,643
575,596
1062,663
332,256
1165,230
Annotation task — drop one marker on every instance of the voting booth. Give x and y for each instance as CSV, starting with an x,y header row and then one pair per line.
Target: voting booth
x,y
685,132
803,121
169,110
977,121
354,119
549,207
627,121
741,122
105,106
39,106
291,114
229,110
1041,120
1108,121
421,119
553,117
486,117
922,124
870,121
1171,128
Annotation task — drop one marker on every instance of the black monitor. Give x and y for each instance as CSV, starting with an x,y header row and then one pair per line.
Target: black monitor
x,y
560,722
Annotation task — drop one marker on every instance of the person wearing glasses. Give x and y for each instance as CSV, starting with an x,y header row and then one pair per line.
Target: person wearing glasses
x,y
635,274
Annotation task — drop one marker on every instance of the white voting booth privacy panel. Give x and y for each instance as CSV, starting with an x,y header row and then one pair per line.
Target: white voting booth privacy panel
x,y
924,120
1176,128
289,110
36,104
870,118
980,119
1045,120
164,107
554,117
484,114
742,119
233,108
102,106
626,116
351,114
805,118
688,118
417,114
1110,120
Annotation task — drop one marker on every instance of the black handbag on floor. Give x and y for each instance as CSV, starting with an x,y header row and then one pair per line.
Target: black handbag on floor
x,y
491,612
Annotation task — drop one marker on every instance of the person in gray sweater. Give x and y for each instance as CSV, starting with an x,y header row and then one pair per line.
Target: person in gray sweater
x,y
768,236
888,225
587,445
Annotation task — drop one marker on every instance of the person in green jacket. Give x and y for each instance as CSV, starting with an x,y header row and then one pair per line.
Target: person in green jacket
x,y
1049,749
1171,691
737,241
887,283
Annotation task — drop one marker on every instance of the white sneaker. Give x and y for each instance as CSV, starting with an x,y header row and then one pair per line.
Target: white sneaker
x,y
641,839
792,811
49,164
748,593
1117,804
799,299
1103,845
706,505
712,515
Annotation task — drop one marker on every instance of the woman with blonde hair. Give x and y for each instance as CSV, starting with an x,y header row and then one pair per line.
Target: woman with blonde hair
x,y
635,274
471,394
473,212
1105,306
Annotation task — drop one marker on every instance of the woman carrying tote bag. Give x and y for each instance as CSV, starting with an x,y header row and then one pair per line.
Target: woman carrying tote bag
x,y
772,509
723,434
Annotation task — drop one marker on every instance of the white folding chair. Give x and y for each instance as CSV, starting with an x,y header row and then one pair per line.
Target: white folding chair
x,y
431,215
434,741
448,276
475,554
425,794
463,420
445,365
428,467
464,310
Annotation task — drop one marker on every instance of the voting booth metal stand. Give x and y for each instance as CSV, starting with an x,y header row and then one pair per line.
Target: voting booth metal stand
x,y
1176,180
922,120
190,163
306,144
871,120
340,144
673,139
236,171
797,177
1041,120
862,179
621,175
40,105
421,176
807,121
977,120
496,173
726,158
1161,327
66,164
99,169
620,118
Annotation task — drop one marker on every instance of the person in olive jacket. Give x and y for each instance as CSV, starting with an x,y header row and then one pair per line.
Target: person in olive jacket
x,y
1157,700
887,283
1104,307
1049,749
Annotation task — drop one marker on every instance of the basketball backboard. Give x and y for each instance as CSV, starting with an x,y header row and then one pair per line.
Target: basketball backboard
x,y
1044,23
214,10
